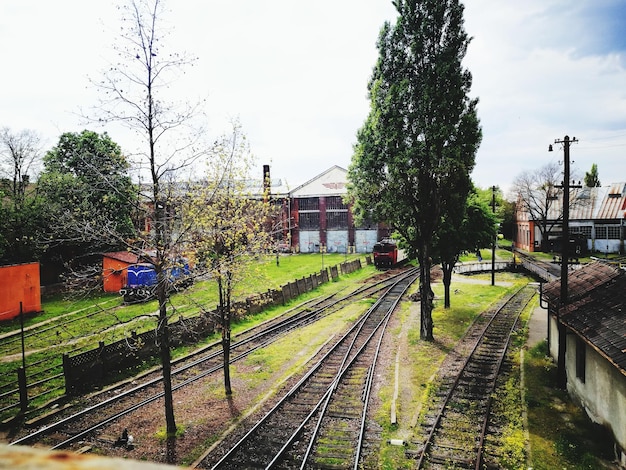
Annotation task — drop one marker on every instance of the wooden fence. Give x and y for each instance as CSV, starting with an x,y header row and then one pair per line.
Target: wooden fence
x,y
95,367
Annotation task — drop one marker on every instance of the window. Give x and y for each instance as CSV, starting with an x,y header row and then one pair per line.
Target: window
x,y
581,356
335,203
614,232
338,219
308,204
585,231
309,221
611,232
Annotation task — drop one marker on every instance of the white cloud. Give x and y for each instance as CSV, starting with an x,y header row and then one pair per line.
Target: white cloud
x,y
296,75
535,85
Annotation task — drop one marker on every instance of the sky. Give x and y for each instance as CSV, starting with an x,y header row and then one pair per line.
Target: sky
x,y
295,76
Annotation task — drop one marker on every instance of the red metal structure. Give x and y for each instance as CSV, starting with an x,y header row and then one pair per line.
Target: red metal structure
x,y
19,283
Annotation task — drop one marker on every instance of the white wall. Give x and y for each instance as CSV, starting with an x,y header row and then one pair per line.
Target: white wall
x,y
336,241
602,394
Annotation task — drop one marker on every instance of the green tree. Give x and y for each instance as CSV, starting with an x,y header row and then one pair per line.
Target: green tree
x,y
591,177
229,226
89,196
416,150
466,229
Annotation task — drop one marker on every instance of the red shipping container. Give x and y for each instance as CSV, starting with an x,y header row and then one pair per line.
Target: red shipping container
x,y
19,283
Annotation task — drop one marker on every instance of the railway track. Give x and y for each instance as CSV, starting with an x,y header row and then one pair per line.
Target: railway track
x,y
456,422
317,423
91,413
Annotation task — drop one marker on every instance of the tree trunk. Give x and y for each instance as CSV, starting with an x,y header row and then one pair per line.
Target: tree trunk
x,y
224,308
164,347
447,281
226,348
426,296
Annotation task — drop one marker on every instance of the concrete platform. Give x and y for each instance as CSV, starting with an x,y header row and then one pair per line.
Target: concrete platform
x,y
537,327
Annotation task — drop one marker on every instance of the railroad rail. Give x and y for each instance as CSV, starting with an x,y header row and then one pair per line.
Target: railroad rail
x,y
97,410
320,405
457,421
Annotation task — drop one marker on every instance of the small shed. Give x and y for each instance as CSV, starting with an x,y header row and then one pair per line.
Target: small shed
x,y
115,269
19,283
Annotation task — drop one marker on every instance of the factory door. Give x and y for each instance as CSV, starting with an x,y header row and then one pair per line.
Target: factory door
x,y
364,240
309,241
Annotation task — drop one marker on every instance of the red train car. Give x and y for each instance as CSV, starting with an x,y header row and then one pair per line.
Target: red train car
x,y
385,253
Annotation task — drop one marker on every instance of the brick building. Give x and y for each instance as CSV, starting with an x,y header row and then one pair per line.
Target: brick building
x,y
319,219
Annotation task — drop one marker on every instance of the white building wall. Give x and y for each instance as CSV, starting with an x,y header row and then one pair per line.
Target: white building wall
x,y
602,394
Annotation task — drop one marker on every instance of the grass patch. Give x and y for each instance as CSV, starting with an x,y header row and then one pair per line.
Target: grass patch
x,y
78,322
162,436
424,358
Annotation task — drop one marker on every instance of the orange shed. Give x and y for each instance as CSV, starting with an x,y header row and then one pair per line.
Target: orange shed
x,y
19,283
114,269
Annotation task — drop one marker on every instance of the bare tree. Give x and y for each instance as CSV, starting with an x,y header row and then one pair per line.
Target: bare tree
x,y
135,94
539,193
20,155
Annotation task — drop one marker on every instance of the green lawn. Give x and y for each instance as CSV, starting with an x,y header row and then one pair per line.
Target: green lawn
x,y
77,322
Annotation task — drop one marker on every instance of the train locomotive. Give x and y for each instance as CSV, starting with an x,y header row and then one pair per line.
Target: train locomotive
x,y
141,281
386,253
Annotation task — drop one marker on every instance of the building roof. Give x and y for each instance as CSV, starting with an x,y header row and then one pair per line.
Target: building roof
x,y
597,309
332,182
603,203
614,202
124,256
581,281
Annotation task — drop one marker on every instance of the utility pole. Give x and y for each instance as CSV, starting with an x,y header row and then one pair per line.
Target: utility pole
x,y
563,298
493,244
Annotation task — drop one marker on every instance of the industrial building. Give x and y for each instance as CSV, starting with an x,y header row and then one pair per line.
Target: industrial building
x,y
314,217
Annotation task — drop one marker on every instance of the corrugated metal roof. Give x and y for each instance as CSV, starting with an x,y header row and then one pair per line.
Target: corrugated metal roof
x,y
612,206
604,203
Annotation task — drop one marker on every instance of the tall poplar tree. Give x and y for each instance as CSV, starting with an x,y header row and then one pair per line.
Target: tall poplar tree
x,y
417,147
